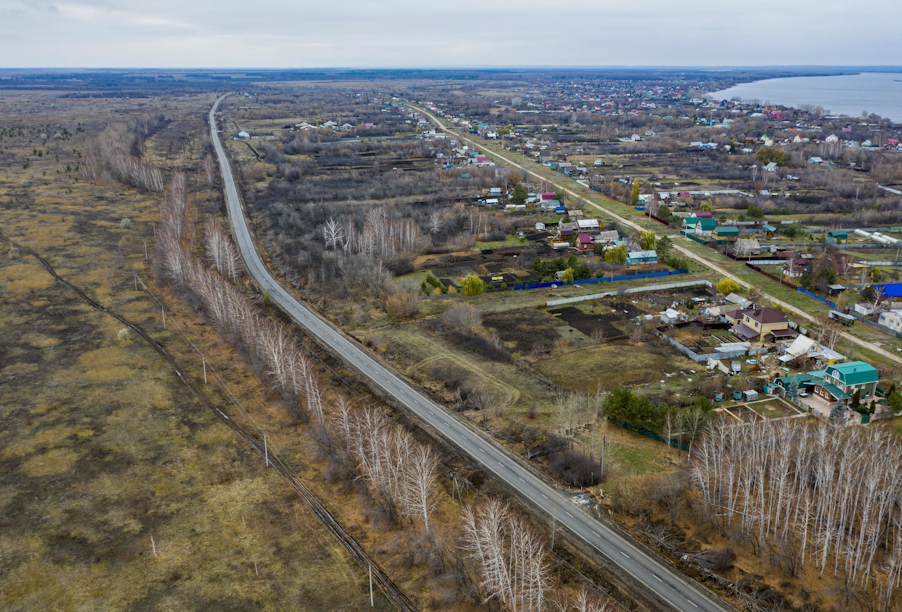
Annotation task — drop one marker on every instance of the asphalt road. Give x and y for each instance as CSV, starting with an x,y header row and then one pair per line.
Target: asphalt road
x,y
646,571
682,250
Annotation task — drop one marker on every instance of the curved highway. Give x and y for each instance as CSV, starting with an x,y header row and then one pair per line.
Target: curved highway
x,y
646,571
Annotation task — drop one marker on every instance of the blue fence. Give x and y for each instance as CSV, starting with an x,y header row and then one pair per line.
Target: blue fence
x,y
589,281
595,189
817,297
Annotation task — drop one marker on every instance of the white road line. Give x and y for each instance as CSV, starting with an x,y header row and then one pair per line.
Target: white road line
x,y
596,533
690,601
545,496
659,580
570,515
624,554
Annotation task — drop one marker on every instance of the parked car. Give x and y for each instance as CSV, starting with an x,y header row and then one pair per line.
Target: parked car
x,y
803,394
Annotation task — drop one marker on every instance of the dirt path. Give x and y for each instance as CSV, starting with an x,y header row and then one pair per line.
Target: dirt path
x,y
511,393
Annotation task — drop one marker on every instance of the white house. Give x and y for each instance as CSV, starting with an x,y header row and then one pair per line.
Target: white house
x,y
831,138
891,319
771,167
587,224
243,135
540,225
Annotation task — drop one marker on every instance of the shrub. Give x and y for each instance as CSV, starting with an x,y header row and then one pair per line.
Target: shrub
x,y
462,317
575,468
126,223
402,306
727,286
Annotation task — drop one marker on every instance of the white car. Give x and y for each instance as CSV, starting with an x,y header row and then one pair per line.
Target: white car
x,y
803,394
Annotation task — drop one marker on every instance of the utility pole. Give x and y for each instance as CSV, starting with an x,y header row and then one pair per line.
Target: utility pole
x,y
372,603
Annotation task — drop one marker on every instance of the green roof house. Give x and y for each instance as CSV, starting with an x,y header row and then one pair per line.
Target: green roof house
x,y
726,233
837,235
701,226
852,376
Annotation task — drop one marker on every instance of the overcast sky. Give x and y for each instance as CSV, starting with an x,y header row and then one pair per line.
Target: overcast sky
x,y
396,33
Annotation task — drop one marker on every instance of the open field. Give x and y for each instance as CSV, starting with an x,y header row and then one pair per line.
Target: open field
x,y
102,448
610,366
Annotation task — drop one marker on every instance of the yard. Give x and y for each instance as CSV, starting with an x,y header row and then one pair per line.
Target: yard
x,y
613,365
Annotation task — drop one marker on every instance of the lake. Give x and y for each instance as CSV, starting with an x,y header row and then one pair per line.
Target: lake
x,y
874,92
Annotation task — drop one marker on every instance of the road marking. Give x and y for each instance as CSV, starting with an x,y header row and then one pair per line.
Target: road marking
x,y
624,554
690,601
659,580
521,480
596,533
545,496
570,515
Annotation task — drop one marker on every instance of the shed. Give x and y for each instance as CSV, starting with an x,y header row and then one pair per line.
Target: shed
x,y
837,235
750,395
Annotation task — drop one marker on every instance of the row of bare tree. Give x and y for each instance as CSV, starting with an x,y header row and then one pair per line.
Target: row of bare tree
x,y
403,472
270,343
381,235
814,493
118,154
511,557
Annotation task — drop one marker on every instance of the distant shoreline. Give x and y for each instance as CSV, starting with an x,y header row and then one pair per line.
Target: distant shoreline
x,y
839,95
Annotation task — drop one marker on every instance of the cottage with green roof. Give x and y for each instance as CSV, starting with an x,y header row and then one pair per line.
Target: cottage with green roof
x,y
700,226
726,233
837,235
851,377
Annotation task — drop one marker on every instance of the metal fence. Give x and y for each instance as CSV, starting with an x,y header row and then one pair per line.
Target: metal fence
x,y
817,297
589,281
598,296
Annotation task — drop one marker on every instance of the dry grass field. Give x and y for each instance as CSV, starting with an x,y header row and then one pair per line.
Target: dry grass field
x,y
117,490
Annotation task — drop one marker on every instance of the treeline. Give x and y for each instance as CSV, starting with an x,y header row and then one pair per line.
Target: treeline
x,y
270,345
117,154
801,493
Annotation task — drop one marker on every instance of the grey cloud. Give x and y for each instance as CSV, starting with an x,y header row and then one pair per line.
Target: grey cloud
x,y
281,33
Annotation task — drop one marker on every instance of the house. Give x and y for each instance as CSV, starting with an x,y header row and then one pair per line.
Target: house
x,y
548,196
587,224
703,214
831,138
641,257
701,227
849,378
837,235
243,135
740,301
726,233
584,242
566,230
755,324
540,226
891,319
607,237
771,167
817,161
768,230
746,247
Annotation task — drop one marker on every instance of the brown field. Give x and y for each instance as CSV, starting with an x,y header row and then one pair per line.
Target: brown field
x,y
102,449
610,366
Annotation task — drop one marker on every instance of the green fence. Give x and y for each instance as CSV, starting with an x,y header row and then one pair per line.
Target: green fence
x,y
650,434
